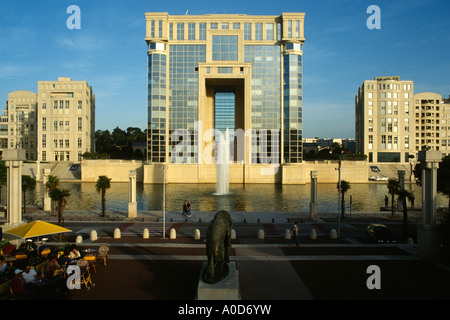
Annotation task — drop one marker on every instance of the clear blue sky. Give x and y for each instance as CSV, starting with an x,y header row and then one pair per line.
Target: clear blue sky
x,y
340,52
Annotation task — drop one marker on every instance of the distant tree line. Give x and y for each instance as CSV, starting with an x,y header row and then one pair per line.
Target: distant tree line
x,y
333,153
117,144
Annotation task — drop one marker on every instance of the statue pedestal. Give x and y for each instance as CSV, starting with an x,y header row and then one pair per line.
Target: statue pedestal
x,y
226,289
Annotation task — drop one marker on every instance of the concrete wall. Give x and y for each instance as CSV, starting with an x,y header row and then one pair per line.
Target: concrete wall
x,y
117,170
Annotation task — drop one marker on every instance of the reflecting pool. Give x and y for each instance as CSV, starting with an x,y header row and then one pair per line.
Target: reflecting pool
x,y
251,197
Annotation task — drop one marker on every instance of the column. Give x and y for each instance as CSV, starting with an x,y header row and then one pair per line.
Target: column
x,y
46,200
428,232
132,204
401,180
314,204
13,163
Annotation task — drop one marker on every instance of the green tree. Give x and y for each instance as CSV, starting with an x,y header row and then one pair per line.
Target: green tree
x,y
51,184
28,184
345,186
393,187
59,196
404,195
101,185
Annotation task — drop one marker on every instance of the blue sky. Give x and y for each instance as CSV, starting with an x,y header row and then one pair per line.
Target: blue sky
x,y
340,52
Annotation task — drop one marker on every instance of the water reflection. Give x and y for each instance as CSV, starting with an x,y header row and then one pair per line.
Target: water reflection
x,y
252,197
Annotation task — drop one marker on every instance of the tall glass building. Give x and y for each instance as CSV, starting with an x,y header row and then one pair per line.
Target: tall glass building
x,y
212,72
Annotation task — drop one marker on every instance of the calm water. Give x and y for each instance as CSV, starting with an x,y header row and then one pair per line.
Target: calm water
x,y
252,197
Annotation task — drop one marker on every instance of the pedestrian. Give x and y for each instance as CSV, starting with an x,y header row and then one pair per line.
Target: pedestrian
x,y
188,206
185,208
294,234
386,201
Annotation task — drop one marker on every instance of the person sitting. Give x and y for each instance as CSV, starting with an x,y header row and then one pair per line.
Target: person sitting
x,y
52,268
29,275
74,253
18,285
3,264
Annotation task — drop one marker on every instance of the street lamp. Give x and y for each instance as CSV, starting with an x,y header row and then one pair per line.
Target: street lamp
x,y
163,168
339,203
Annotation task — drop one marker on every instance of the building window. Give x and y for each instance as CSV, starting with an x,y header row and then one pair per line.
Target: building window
x,y
160,25
67,143
55,104
44,124
247,31
55,125
44,156
44,105
80,104
269,31
225,26
180,31
225,70
191,31
67,104
236,25
202,31
80,143
80,124
44,141
225,48
258,31
213,26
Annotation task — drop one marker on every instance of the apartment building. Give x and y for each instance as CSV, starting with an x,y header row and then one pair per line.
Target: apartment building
x,y
384,119
56,124
18,129
430,121
65,120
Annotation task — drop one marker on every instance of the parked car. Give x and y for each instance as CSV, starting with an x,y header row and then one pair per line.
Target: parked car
x,y
379,233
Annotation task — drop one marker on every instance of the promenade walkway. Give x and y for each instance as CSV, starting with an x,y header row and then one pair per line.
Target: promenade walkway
x,y
160,268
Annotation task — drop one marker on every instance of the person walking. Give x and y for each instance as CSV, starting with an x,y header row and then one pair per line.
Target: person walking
x,y
185,208
294,235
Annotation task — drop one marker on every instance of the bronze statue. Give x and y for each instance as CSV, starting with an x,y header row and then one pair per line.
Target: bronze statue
x,y
218,243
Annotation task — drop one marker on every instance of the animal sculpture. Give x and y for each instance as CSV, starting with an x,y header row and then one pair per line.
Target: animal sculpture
x,y
218,244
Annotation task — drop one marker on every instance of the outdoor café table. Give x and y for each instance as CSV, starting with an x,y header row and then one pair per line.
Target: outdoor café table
x,y
10,260
90,257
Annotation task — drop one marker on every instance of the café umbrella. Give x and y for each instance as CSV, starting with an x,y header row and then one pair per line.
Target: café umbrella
x,y
36,229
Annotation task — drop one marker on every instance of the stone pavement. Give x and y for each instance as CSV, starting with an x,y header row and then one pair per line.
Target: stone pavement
x,y
323,269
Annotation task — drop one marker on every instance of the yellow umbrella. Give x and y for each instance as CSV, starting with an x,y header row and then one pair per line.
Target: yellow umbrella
x,y
36,229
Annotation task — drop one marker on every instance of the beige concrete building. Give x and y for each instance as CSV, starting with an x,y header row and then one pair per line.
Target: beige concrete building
x,y
211,72
430,120
384,120
18,128
66,120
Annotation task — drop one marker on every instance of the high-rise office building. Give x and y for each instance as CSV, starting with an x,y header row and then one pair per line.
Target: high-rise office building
x,y
384,120
210,72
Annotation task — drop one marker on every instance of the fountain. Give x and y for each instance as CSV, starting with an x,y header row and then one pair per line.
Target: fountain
x,y
222,162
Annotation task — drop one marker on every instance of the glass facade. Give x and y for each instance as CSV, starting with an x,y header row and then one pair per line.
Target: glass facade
x,y
183,101
292,110
266,102
157,113
246,58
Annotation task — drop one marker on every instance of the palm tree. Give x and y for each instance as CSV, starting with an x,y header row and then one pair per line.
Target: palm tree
x,y
28,183
404,194
59,197
393,186
51,184
102,184
345,186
